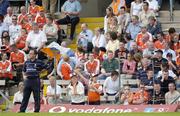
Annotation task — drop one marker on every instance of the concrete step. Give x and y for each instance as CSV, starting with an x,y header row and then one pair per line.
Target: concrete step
x,y
165,19
164,13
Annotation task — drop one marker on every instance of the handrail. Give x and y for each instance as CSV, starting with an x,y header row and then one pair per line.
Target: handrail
x,y
171,3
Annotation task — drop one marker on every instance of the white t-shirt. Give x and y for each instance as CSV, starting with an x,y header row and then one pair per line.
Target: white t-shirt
x,y
171,74
111,86
136,8
14,32
153,5
35,40
99,41
51,90
18,97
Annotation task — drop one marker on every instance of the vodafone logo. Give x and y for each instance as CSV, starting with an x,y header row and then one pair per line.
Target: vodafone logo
x,y
58,109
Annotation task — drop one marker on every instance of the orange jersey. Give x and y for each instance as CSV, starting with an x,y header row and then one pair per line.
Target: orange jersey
x,y
94,96
141,42
22,19
41,21
139,94
66,71
22,42
17,57
159,45
5,69
33,10
92,67
178,61
115,6
28,27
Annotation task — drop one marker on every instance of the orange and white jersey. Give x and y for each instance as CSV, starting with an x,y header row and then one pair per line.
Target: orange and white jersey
x,y
5,69
66,70
92,67
41,21
17,57
22,19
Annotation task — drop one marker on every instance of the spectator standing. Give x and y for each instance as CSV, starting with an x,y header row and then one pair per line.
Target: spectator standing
x,y
51,4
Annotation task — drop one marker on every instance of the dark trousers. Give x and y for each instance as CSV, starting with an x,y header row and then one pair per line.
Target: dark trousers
x,y
67,20
31,85
94,103
82,103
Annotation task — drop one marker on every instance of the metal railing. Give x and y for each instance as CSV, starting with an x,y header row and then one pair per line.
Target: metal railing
x,y
171,8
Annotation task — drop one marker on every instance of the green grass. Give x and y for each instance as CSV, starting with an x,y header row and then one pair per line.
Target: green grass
x,y
83,114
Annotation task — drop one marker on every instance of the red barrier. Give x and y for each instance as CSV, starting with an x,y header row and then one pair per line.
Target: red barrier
x,y
101,109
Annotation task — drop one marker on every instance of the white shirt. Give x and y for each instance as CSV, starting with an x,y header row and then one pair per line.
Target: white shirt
x,y
111,86
88,35
153,5
35,40
50,29
14,32
80,91
51,90
3,27
136,8
99,41
8,20
18,97
165,52
171,74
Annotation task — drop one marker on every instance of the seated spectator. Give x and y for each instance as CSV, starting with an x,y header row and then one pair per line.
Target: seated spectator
x,y
36,39
157,96
171,63
136,7
134,27
165,79
28,24
18,96
33,9
113,43
116,5
178,61
171,97
158,60
5,48
98,39
79,55
22,17
127,96
167,50
20,41
134,48
159,43
109,65
108,18
149,52
3,26
71,9
154,26
76,91
153,5
145,14
51,96
143,37
8,16
50,29
40,18
129,65
175,43
85,38
111,85
122,52
92,66
113,26
171,34
128,41
4,35
141,96
14,30
123,20
94,92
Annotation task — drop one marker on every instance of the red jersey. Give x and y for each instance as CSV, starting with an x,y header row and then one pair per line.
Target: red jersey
x,y
5,69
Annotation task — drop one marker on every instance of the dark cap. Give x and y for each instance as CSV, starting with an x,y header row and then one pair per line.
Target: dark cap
x,y
159,51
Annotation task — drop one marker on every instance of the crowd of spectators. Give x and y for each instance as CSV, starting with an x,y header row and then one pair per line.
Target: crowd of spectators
x,y
131,43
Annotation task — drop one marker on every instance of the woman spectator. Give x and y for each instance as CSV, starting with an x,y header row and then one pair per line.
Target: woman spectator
x,y
136,7
76,91
113,43
113,26
4,34
99,39
20,41
126,96
129,65
108,18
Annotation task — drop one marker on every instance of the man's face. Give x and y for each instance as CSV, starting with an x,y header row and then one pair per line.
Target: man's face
x,y
83,27
166,74
150,74
114,78
71,0
35,28
145,7
32,55
110,56
14,20
157,87
52,82
171,87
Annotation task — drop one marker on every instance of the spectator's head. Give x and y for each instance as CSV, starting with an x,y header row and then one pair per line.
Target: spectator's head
x,y
141,87
150,45
152,20
97,31
5,40
127,37
1,18
23,32
126,89
145,63
114,75
134,46
164,66
30,18
32,54
143,28
9,10
66,58
165,74
109,12
169,56
52,81
14,48
122,10
49,20
137,57
113,35
84,26
157,87
32,2
93,79
121,46
14,19
5,34
160,36
91,56
21,87
171,87
176,38
145,6
74,79
135,19
4,56
110,55
172,31
41,11
35,27
114,21
167,45
23,10
150,73
107,36
130,56
159,54
139,1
